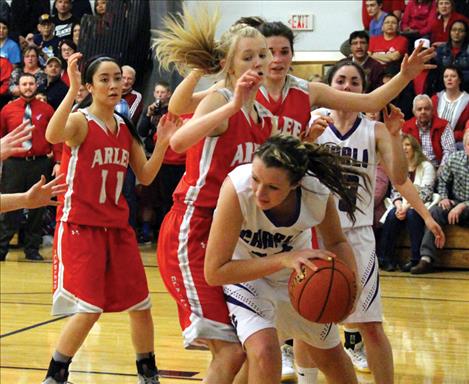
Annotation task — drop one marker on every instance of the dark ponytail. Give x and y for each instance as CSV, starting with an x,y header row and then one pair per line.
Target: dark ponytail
x,y
300,159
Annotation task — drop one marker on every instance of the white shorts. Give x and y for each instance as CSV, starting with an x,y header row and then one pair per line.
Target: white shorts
x,y
368,309
258,305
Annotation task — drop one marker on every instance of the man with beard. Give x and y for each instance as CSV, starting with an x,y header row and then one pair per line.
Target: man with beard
x,y
23,170
434,134
359,41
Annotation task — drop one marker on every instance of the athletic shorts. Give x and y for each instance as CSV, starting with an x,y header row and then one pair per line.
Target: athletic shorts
x,y
97,269
202,309
368,308
258,305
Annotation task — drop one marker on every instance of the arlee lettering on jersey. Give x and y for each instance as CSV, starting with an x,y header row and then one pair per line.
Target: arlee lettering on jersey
x,y
290,126
111,155
244,153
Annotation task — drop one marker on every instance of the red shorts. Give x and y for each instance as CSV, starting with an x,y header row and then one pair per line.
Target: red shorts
x,y
97,269
202,309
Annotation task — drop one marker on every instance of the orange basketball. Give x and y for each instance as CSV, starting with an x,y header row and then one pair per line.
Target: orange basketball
x,y
326,295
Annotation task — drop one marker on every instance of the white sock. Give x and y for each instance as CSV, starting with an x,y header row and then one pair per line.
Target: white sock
x,y
307,375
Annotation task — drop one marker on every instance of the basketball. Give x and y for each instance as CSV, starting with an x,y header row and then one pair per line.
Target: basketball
x,y
326,295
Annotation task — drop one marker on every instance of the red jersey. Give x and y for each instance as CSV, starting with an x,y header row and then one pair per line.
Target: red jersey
x,y
210,160
380,45
292,108
95,172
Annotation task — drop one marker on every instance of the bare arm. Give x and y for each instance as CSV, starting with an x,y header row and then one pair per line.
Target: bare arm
x,y
10,144
212,114
64,126
39,195
221,269
389,145
333,237
184,100
146,170
323,95
386,57
408,190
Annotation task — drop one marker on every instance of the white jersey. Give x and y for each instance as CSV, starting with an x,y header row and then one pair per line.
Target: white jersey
x,y
358,143
260,236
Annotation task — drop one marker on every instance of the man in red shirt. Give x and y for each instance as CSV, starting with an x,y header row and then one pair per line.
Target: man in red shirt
x,y
23,170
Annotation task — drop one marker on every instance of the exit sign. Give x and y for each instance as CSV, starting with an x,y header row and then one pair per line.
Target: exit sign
x,y
301,22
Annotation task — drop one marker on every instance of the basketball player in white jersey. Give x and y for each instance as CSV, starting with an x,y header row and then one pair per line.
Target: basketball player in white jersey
x,y
351,134
260,231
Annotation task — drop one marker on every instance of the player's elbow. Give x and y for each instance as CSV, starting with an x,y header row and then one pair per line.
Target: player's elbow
x,y
177,145
51,138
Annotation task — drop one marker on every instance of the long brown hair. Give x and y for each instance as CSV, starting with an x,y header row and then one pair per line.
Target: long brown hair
x,y
300,159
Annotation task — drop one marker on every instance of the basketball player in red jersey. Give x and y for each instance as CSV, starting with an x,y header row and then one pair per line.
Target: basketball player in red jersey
x,y
97,266
291,99
224,132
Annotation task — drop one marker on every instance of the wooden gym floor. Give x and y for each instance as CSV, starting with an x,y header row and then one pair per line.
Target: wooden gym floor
x,y
426,319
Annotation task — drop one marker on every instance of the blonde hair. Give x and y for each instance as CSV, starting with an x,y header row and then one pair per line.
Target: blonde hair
x,y
419,156
189,42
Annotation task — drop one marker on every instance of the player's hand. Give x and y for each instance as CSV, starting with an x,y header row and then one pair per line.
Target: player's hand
x,y
394,120
446,203
246,86
167,125
41,194
435,228
455,213
73,71
10,144
317,127
296,259
415,63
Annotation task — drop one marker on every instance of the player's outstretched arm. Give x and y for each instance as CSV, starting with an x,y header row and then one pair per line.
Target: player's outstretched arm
x,y
64,126
39,195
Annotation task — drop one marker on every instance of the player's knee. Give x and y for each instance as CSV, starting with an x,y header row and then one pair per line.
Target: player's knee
x,y
372,332
266,356
231,358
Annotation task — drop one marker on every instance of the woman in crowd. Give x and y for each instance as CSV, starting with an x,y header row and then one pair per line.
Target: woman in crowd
x,y
66,49
440,26
280,196
456,51
402,215
30,65
452,103
97,265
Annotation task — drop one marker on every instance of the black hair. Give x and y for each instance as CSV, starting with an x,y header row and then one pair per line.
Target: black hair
x,y
300,159
90,67
465,43
346,63
458,71
392,15
163,83
359,34
277,28
252,21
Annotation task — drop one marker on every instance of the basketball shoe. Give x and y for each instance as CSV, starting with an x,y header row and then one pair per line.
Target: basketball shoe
x,y
148,380
51,380
288,370
358,357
